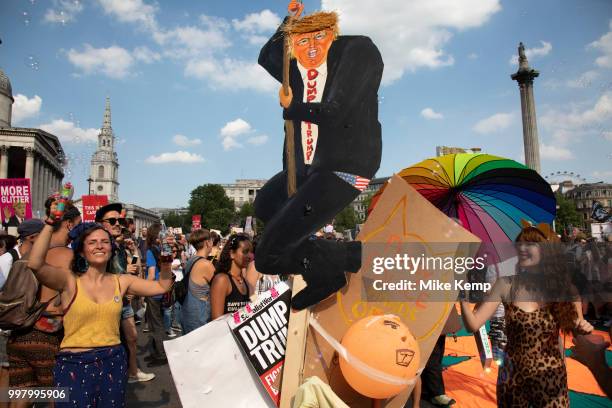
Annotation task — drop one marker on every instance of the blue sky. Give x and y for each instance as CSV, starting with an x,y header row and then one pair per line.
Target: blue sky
x,y
190,106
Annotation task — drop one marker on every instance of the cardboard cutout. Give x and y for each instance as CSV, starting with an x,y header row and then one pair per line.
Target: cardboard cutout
x,y
333,105
402,215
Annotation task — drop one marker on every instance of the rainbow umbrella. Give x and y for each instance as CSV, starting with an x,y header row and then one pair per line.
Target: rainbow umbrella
x,y
490,195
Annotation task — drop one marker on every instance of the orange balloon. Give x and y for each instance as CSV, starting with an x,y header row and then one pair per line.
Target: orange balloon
x,y
383,343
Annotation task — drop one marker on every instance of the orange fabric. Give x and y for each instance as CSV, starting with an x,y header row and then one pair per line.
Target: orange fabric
x,y
471,386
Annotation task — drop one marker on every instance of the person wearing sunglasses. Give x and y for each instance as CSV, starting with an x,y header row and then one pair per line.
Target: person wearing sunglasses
x,y
111,219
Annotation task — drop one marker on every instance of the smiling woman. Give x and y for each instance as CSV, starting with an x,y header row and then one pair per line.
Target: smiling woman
x,y
91,301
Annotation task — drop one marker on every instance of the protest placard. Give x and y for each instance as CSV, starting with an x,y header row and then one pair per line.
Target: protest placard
x,y
261,331
15,202
91,203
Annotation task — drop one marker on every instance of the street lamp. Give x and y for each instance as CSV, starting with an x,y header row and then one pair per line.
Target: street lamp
x,y
89,180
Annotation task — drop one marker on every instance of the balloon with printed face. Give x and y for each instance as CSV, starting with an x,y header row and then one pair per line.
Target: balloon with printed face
x,y
385,344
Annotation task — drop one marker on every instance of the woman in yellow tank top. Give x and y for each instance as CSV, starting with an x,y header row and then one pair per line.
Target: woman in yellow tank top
x,y
92,362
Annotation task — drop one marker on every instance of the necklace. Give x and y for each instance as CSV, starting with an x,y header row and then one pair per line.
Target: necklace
x,y
239,279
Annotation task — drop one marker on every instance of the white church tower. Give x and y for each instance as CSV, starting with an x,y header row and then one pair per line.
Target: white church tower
x,y
104,163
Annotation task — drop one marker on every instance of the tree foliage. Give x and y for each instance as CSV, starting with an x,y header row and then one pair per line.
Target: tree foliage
x,y
566,213
174,219
216,209
346,219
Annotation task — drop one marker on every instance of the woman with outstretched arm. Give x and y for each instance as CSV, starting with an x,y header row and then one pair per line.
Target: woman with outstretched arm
x,y
92,362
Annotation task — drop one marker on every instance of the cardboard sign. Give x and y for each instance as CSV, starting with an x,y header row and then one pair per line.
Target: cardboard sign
x,y
402,215
484,347
205,365
91,204
261,331
15,201
196,222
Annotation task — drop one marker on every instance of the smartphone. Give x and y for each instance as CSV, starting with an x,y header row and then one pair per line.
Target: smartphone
x,y
134,260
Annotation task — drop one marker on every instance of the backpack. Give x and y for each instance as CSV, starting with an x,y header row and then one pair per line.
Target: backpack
x,y
181,287
20,306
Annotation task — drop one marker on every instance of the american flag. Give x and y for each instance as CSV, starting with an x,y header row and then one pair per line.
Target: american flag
x,y
360,183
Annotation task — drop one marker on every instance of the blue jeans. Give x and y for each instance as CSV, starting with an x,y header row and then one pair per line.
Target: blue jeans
x,y
195,313
172,314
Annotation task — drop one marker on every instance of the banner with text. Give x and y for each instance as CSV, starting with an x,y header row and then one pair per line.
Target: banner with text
x,y
15,201
196,222
91,203
261,331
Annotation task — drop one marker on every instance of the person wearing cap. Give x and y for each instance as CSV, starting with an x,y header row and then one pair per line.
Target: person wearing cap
x,y
90,296
112,220
27,232
333,105
32,351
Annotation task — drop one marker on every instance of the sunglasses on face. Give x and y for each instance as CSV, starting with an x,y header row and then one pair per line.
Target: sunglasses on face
x,y
113,221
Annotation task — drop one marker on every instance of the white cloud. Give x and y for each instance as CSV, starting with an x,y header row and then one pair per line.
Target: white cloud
x,y
604,45
145,55
131,11
411,34
255,24
530,53
114,61
583,81
555,152
231,74
605,174
24,107
184,141
67,131
569,125
63,11
258,140
473,56
191,41
430,114
494,123
175,157
231,131
579,119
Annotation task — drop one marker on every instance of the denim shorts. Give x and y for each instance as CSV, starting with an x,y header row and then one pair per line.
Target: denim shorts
x,y
127,312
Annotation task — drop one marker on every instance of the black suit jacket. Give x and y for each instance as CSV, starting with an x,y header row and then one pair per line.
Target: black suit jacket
x,y
347,116
12,222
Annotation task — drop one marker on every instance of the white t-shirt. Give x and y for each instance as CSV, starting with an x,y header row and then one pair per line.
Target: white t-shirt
x,y
314,84
178,272
6,262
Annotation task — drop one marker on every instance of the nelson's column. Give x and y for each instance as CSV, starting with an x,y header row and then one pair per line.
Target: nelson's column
x,y
524,76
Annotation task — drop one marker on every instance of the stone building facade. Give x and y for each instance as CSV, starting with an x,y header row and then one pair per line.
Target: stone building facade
x,y
243,190
584,195
28,153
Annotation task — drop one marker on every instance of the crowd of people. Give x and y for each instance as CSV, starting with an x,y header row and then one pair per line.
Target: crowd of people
x,y
99,280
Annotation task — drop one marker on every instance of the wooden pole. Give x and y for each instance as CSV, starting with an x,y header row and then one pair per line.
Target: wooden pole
x,y
289,131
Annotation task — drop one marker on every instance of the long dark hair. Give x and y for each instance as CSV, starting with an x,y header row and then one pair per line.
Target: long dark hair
x,y
225,259
152,234
79,264
554,279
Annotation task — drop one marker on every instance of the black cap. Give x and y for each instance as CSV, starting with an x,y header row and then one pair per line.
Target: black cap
x,y
107,208
30,227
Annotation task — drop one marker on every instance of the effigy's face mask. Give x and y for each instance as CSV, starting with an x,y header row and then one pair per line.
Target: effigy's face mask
x,y
311,49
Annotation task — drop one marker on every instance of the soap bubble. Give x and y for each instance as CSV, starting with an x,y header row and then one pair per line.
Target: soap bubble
x,y
32,62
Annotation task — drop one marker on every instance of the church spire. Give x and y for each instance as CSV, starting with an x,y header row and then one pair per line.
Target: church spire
x,y
107,115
